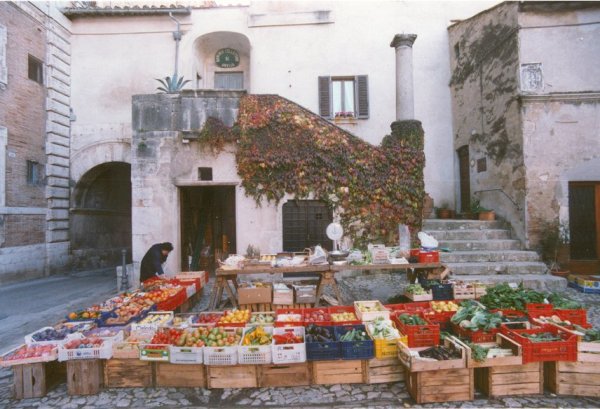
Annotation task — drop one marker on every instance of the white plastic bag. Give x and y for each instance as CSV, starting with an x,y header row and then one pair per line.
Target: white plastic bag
x,y
318,257
427,242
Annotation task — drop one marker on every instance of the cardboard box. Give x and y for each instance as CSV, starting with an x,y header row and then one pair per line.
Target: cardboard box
x,y
305,294
247,294
283,297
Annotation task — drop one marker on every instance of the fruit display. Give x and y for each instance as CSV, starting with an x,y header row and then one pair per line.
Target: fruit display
x,y
289,318
156,319
415,289
316,315
444,306
162,294
410,319
316,333
287,338
343,316
84,315
180,321
49,334
206,318
126,312
383,329
234,317
167,336
257,336
369,306
193,338
85,343
111,332
222,337
261,319
30,352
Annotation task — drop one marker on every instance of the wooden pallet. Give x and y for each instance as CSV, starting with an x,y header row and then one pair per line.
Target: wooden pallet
x,y
180,375
237,376
573,378
511,380
284,375
85,377
446,385
384,371
128,373
37,379
332,372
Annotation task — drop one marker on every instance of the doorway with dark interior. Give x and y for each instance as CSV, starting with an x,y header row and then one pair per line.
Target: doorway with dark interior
x,y
584,227
208,229
465,179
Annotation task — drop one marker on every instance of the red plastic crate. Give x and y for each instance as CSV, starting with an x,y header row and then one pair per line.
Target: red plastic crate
x,y
475,336
284,311
429,256
172,303
419,335
306,313
442,318
417,306
396,307
341,309
564,350
510,312
578,317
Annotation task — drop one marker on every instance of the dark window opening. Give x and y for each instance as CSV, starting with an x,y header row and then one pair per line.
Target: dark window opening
x,y
583,220
304,224
34,173
456,50
36,70
481,165
205,174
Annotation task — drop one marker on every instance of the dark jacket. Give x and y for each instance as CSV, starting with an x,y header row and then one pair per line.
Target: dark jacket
x,y
152,263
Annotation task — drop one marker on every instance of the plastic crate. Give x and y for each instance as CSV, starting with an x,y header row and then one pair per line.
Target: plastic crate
x,y
225,355
261,324
440,318
387,348
104,333
289,353
342,309
166,318
185,355
510,313
578,317
255,354
564,350
381,311
104,351
154,352
419,335
214,316
353,350
29,338
475,336
306,313
6,361
324,351
441,292
173,302
283,317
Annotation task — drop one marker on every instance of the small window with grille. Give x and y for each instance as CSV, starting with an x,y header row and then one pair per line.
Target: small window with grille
x,y
304,225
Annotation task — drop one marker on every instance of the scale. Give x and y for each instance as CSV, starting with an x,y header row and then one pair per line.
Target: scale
x,y
335,231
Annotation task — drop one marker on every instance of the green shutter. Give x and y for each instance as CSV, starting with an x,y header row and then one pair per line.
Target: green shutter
x,y
325,97
361,84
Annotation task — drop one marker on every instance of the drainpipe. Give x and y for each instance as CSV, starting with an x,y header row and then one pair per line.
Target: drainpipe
x,y
177,38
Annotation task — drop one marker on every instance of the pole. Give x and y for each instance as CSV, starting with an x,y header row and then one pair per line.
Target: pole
x,y
124,283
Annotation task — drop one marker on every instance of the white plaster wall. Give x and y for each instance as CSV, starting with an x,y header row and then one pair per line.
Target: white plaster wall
x,y
116,57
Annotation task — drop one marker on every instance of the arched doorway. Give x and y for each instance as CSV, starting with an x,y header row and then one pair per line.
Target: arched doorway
x,y
101,216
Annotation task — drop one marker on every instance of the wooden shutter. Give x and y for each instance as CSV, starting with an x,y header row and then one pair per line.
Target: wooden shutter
x,y
361,84
3,67
325,97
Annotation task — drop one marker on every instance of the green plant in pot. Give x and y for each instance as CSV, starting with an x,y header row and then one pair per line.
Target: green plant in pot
x,y
481,213
444,211
554,246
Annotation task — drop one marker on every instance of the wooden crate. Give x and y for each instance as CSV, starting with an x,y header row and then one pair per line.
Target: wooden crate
x,y
410,360
332,372
502,341
573,378
37,379
284,375
128,373
447,385
180,376
85,376
237,376
384,370
509,380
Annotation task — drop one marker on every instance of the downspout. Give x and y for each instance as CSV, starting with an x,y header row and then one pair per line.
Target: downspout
x,y
177,38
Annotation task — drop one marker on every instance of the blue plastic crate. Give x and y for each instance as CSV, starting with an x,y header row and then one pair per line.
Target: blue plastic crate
x,y
323,351
585,290
353,350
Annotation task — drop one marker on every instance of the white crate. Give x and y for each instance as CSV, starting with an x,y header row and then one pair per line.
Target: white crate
x,y
261,324
102,352
222,355
141,326
186,355
255,354
370,316
149,354
190,290
289,353
29,338
97,332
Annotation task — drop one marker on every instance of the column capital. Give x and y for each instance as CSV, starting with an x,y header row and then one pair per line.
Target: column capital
x,y
403,40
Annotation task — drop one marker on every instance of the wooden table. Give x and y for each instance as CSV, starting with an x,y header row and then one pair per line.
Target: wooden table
x,y
327,277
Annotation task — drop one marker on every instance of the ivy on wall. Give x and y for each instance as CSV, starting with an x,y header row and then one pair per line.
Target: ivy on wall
x,y
283,148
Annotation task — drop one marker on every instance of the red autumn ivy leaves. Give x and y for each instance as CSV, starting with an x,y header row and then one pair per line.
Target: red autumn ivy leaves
x,y
283,148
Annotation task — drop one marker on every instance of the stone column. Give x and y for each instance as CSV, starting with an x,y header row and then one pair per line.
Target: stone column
x,y
405,108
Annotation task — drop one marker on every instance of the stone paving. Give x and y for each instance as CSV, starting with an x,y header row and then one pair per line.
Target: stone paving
x,y
391,395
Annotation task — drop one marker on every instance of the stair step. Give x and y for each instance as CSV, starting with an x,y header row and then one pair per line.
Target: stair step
x,y
544,282
488,256
490,245
449,224
494,268
470,234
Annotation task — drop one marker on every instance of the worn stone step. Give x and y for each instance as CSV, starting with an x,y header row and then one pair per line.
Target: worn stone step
x,y
493,268
445,224
488,256
490,245
544,282
471,234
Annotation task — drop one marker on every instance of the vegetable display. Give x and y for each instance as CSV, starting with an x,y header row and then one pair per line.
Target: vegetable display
x,y
235,317
562,303
287,338
410,319
354,335
256,336
262,319
480,353
444,306
315,333
590,334
503,296
343,317
415,289
440,353
542,337
473,317
381,328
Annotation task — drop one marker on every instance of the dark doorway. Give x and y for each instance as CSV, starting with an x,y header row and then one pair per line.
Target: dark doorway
x,y
584,227
101,216
465,179
207,226
304,225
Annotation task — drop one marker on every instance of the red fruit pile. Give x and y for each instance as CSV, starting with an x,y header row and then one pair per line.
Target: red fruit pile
x,y
316,315
92,342
31,351
168,336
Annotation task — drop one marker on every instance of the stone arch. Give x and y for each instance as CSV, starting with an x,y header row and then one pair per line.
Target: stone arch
x,y
206,46
90,156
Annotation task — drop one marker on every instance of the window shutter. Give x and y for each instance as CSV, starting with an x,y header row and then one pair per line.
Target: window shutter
x,y
325,97
3,68
362,96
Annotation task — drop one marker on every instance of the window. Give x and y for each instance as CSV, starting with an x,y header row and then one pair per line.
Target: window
x,y
36,70
229,80
344,97
304,224
205,174
3,69
34,173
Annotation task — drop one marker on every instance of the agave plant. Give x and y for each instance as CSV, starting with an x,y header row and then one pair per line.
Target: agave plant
x,y
171,84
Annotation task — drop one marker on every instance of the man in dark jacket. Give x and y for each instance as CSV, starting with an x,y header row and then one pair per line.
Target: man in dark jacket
x,y
153,260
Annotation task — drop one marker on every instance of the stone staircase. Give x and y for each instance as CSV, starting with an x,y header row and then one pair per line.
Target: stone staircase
x,y
485,251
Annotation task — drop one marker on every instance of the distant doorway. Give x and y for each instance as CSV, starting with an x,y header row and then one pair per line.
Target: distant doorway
x,y
304,225
584,226
208,229
465,179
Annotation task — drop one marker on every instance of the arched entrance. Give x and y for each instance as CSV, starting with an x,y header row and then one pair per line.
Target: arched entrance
x,y
101,216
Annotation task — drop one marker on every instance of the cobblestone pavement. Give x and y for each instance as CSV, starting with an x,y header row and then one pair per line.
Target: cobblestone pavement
x,y
343,396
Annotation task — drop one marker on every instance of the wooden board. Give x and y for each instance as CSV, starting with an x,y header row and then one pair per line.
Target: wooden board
x,y
85,377
128,373
180,375
573,378
384,370
441,386
284,375
36,380
237,376
511,380
332,372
